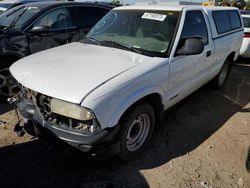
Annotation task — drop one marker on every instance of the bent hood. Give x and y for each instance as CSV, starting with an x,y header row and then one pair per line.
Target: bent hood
x,y
72,71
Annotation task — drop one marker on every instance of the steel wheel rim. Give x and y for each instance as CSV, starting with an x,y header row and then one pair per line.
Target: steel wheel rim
x,y
223,74
8,85
138,132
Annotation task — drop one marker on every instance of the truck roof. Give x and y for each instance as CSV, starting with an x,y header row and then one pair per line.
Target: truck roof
x,y
172,7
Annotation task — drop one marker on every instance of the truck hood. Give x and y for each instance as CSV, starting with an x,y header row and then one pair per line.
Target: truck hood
x,y
72,71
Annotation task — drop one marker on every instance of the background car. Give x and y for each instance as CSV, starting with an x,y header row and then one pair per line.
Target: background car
x,y
245,48
7,4
34,27
4,5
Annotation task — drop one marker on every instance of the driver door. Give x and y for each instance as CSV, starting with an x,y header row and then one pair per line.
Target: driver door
x,y
56,21
189,72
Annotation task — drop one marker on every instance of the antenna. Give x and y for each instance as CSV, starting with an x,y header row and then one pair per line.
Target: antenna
x,y
66,29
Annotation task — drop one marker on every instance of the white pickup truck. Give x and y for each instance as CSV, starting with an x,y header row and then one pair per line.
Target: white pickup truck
x,y
104,94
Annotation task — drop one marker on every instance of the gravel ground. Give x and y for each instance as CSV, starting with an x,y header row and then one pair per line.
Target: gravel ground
x,y
202,142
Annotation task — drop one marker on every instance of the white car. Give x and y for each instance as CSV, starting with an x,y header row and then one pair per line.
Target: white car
x,y
245,48
105,93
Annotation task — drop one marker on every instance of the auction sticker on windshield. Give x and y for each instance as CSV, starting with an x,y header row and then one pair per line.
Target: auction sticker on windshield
x,y
154,16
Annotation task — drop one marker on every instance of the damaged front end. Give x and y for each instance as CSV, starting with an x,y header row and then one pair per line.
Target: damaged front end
x,y
70,122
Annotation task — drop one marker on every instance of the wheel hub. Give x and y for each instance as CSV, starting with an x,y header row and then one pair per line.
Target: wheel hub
x,y
138,132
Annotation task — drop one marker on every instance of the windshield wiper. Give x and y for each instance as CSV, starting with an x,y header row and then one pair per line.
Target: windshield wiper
x,y
13,11
127,47
15,20
93,40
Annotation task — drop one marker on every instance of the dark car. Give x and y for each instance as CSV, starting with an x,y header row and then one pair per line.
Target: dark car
x,y
30,28
8,4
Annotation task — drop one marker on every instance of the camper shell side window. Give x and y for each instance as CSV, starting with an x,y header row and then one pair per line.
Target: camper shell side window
x,y
226,20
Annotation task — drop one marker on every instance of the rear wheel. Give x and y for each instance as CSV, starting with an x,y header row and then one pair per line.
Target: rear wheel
x,y
220,79
8,85
136,131
248,160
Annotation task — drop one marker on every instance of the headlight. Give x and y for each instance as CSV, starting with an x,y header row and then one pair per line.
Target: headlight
x,y
70,110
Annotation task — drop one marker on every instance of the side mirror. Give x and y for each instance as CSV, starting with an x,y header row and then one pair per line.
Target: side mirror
x,y
192,46
39,30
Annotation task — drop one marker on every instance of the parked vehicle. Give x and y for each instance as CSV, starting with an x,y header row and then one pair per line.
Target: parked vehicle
x,y
245,48
31,28
7,4
4,6
104,94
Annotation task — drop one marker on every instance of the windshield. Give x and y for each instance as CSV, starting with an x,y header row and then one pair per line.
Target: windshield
x,y
5,5
15,18
148,31
246,22
1,10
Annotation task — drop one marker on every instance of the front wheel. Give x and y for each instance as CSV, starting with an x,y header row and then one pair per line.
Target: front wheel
x,y
136,131
220,79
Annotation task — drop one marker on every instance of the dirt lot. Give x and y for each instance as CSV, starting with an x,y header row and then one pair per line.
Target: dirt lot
x,y
202,143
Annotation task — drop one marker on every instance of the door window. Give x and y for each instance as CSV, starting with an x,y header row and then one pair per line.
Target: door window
x,y
56,19
222,21
226,21
195,26
89,16
246,22
234,19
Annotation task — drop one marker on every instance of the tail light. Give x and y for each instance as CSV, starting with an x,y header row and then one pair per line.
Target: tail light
x,y
246,35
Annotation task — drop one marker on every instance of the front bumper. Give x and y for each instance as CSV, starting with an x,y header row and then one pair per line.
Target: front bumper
x,y
103,143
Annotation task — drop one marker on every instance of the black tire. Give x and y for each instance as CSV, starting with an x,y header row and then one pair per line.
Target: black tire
x,y
139,123
3,99
221,77
248,160
8,85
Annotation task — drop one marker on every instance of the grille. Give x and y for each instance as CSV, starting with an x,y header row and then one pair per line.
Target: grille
x,y
43,103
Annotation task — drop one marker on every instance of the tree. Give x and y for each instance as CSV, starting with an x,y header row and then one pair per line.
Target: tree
x,y
116,2
248,5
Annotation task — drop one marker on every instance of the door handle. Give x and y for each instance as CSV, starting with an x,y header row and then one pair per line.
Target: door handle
x,y
208,53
